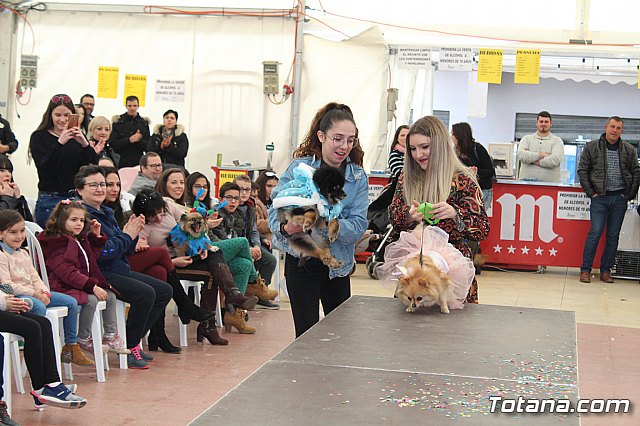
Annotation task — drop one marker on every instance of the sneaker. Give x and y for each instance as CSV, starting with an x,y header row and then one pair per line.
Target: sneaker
x,y
5,418
145,355
135,360
267,304
87,345
115,344
41,405
60,396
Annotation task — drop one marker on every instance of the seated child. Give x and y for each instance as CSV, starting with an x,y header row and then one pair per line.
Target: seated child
x,y
39,355
71,244
17,270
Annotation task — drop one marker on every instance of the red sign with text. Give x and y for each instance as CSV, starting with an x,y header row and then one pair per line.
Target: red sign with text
x,y
538,225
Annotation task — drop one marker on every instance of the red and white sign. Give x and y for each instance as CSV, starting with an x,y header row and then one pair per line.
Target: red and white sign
x,y
529,228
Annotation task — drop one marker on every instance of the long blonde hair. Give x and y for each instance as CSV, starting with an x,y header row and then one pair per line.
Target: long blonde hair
x,y
432,185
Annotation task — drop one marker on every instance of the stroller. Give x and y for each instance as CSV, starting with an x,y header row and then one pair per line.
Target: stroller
x,y
379,224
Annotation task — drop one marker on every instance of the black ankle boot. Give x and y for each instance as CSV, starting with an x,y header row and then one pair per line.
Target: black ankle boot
x,y
187,310
158,339
195,313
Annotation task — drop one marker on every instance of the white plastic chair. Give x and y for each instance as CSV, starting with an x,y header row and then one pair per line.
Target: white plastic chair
x,y
6,369
186,284
279,283
54,315
101,360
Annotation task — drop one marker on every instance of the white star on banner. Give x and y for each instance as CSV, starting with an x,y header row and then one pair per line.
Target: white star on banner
x,y
553,251
497,249
525,250
511,249
539,251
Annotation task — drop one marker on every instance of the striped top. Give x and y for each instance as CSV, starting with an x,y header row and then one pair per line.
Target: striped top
x,y
396,163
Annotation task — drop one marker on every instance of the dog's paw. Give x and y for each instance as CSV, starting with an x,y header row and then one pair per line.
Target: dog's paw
x,y
214,249
411,309
444,309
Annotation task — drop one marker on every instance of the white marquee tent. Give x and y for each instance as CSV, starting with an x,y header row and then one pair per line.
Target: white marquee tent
x,y
589,65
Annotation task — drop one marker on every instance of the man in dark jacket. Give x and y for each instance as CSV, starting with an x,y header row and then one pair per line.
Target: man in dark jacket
x,y
610,176
8,142
130,134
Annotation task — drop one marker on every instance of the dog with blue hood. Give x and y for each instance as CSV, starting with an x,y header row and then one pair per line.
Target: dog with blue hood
x,y
312,200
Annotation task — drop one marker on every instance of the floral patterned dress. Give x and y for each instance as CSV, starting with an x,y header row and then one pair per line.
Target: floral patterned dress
x,y
464,197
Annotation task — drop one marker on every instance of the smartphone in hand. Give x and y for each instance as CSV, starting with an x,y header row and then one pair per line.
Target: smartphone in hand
x,y
73,121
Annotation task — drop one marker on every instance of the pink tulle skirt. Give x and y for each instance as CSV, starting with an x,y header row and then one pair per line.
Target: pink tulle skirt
x,y
435,243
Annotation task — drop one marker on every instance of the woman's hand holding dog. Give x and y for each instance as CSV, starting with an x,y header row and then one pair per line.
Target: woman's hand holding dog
x,y
182,261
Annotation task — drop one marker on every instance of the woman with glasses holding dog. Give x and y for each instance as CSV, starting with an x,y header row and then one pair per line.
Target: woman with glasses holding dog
x,y
58,152
332,140
433,173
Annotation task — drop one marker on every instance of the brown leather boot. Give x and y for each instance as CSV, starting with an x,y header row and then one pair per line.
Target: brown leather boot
x,y
73,353
237,320
585,277
207,330
606,277
222,276
260,290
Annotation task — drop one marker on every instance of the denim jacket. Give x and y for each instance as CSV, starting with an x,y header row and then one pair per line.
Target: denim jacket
x,y
353,219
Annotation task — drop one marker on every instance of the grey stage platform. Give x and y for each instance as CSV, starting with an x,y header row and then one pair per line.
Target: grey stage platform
x,y
370,362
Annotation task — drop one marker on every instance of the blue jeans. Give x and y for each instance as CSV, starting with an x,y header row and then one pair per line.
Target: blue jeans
x,y
44,205
70,322
606,210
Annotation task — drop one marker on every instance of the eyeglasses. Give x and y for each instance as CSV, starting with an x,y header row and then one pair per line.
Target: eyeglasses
x,y
245,190
339,140
112,184
96,185
58,99
154,166
199,187
231,198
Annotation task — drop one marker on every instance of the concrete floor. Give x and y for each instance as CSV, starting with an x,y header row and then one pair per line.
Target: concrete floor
x,y
179,387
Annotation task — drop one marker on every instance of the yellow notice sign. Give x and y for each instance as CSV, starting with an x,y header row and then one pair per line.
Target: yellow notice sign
x,y
108,82
527,66
490,66
135,85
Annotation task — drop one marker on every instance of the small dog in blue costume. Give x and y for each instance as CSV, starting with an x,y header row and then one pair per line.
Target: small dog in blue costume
x,y
312,200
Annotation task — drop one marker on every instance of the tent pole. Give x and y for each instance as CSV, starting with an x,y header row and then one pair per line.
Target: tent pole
x,y
295,100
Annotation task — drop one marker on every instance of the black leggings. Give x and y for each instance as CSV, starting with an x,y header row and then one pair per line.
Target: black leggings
x,y
39,354
309,285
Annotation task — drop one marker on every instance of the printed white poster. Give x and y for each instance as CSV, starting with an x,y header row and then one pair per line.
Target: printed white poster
x,y
170,90
455,59
414,57
573,205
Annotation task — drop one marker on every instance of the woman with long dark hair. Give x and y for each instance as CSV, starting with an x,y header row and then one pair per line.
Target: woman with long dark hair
x,y
398,148
58,152
332,140
476,157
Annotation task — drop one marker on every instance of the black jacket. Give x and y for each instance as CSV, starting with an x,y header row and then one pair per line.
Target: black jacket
x,y
592,168
123,127
481,159
58,164
7,137
177,150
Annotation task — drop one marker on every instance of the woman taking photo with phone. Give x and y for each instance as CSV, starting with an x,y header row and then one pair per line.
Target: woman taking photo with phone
x,y
332,140
58,149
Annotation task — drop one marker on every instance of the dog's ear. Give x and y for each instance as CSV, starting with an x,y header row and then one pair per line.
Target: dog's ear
x,y
183,217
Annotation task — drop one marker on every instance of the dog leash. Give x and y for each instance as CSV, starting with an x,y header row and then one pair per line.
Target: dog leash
x,y
421,243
